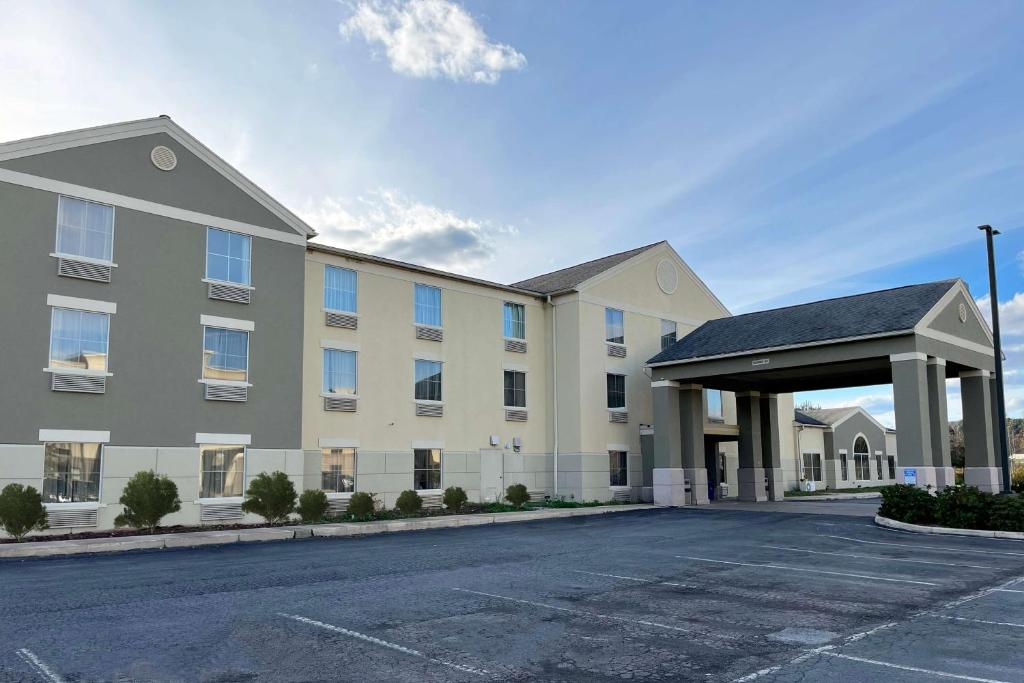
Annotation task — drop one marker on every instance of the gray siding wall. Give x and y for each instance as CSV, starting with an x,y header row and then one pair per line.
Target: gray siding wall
x,y
153,397
948,321
845,433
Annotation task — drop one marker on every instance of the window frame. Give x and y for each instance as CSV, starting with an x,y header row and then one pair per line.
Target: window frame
x,y
844,465
355,290
330,451
878,464
440,382
230,382
323,372
245,464
608,390
440,468
622,325
675,332
206,268
86,259
99,475
505,306
622,468
440,306
861,459
504,388
720,417
891,463
50,367
814,467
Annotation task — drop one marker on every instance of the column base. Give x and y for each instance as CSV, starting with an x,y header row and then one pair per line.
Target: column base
x,y
670,486
985,478
647,494
776,484
698,478
944,476
752,489
926,476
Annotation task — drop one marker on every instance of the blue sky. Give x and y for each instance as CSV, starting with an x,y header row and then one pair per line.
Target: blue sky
x,y
789,151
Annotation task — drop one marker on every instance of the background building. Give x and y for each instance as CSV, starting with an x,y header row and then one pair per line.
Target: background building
x,y
842,448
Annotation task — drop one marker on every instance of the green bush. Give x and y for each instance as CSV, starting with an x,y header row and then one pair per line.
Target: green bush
x,y
1017,479
361,505
1007,513
312,506
21,510
963,507
271,496
454,498
906,503
409,502
517,495
147,498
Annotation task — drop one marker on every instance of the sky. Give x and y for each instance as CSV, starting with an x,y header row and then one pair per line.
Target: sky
x,y
789,151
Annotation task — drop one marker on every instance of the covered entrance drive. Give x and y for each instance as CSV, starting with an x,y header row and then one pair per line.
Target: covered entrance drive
x,y
913,337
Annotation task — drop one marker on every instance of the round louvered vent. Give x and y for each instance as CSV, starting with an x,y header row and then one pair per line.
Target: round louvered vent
x,y
164,158
668,278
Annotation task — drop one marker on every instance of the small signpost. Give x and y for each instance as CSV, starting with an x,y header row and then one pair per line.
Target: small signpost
x,y
910,475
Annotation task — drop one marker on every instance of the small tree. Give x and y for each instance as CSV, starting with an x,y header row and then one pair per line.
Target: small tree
x,y
147,498
271,496
312,505
21,510
454,498
409,502
361,505
517,495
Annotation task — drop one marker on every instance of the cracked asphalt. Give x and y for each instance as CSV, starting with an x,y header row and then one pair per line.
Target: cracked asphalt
x,y
711,594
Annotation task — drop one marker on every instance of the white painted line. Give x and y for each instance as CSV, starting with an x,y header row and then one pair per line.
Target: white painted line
x,y
902,667
876,557
39,666
384,643
772,669
638,580
1005,590
812,571
977,621
928,547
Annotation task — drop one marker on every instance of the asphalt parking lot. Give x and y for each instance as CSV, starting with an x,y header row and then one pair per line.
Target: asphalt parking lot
x,y
714,594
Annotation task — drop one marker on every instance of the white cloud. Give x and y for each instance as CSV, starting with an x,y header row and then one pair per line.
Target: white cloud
x,y
387,223
1011,313
431,39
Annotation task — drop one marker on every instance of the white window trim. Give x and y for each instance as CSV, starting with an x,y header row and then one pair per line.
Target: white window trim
x,y
225,382
619,310
427,402
440,307
512,367
86,437
85,259
427,448
211,281
202,356
339,345
206,262
336,394
209,439
74,436
428,326
221,500
337,442
85,372
227,323
625,394
514,303
526,387
323,288
76,304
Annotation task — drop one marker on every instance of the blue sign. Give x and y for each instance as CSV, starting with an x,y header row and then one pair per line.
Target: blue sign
x,y
910,475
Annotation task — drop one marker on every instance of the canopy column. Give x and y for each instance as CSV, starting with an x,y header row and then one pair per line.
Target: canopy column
x,y
979,453
751,465
771,447
913,420
939,423
678,443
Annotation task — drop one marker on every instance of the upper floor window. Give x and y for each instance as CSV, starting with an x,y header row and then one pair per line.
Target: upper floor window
x,y
339,372
514,320
427,305
222,471
668,333
714,404
428,380
85,229
228,256
78,339
613,326
515,389
616,391
339,289
71,473
338,470
225,354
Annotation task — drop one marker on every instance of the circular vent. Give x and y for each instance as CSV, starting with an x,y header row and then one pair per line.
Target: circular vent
x,y
668,278
164,158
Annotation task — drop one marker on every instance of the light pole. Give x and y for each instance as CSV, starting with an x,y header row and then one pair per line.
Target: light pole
x,y
1004,452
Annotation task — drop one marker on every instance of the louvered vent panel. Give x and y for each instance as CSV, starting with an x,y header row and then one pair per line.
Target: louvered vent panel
x,y
86,384
56,518
515,416
83,270
429,333
217,512
340,405
515,345
432,501
618,416
349,322
622,496
429,410
616,351
537,494
337,506
232,293
226,392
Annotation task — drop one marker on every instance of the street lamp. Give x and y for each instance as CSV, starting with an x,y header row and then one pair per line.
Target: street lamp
x,y
1004,452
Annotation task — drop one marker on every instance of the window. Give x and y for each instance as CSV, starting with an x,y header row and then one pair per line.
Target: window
x,y
428,380
427,305
862,466
616,391
225,354
812,466
668,333
223,471
714,404
339,289
71,473
844,466
613,326
228,256
85,229
617,468
722,478
339,372
878,465
338,470
426,469
515,389
515,320
78,339
892,466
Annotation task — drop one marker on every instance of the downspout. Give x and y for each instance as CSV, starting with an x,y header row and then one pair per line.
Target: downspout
x,y
554,385
797,430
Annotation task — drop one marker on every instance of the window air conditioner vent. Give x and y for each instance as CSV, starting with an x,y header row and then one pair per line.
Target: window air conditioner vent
x,y
429,333
339,404
59,518
515,415
620,416
515,345
616,350
226,392
232,293
86,384
217,512
349,322
429,410
83,270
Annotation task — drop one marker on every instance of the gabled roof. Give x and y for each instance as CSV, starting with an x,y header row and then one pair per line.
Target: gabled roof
x,y
881,313
801,417
569,278
159,124
833,417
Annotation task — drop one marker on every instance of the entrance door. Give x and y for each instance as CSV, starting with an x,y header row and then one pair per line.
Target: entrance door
x,y
492,474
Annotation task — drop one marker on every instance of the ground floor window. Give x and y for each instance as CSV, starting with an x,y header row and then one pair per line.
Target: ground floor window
x,y
878,465
71,473
338,470
223,471
426,469
618,469
722,478
812,466
862,466
844,466
892,466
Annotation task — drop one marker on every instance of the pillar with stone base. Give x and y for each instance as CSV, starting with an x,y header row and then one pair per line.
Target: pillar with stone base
x,y
939,423
913,419
751,462
979,456
678,443
691,418
771,447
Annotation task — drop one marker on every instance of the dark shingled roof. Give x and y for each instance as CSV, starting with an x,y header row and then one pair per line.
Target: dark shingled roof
x,y
888,310
805,419
567,278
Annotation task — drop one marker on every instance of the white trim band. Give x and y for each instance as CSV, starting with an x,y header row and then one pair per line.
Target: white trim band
x,y
621,447
663,383
204,438
428,444
513,367
913,355
937,361
337,442
227,323
74,303
74,435
338,345
975,373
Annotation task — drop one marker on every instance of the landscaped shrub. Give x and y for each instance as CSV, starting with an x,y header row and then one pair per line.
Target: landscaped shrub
x,y
454,498
21,510
271,496
312,505
409,502
361,505
1007,513
517,495
1017,479
963,507
906,503
147,498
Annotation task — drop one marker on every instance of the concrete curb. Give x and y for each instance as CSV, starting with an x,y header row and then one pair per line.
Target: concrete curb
x,y
260,534
833,496
944,531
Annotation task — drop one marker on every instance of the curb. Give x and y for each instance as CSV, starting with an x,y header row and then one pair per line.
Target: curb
x,y
834,496
944,531
195,539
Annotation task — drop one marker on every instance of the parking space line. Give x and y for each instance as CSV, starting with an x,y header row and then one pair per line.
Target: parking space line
x,y
638,580
383,643
915,669
39,666
1005,590
977,621
928,547
804,569
877,557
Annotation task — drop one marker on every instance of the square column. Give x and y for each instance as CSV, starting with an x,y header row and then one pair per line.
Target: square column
x,y
691,415
751,461
678,443
939,423
913,419
979,453
771,447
